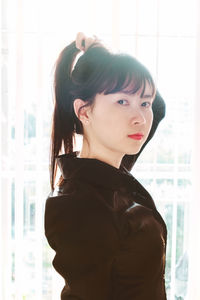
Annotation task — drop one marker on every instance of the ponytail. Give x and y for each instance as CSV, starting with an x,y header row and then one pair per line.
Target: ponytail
x,y
62,131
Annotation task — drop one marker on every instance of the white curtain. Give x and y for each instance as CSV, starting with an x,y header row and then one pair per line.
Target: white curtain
x,y
164,35
194,233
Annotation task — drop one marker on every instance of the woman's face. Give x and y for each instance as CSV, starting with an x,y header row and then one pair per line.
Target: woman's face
x,y
115,118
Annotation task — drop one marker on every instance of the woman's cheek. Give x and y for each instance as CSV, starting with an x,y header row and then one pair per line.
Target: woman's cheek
x,y
150,120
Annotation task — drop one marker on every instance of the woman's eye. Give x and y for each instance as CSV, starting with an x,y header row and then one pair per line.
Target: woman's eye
x,y
122,102
146,104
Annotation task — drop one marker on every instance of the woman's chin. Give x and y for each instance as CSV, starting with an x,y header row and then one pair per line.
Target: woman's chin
x,y
133,151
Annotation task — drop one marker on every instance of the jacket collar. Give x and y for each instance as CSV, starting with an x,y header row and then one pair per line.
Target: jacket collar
x,y
103,175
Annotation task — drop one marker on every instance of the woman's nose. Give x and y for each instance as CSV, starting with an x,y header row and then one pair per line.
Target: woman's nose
x,y
138,116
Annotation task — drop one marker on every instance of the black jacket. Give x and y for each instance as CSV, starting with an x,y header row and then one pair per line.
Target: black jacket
x,y
109,238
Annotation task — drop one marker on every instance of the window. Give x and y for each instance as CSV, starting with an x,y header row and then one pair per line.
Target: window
x,y
162,34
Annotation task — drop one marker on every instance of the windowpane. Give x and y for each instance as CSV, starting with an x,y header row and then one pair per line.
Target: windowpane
x,y
161,34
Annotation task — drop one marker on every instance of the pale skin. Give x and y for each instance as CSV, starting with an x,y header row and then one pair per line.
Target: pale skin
x,y
109,121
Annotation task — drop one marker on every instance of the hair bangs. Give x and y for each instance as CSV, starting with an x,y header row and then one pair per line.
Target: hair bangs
x,y
125,78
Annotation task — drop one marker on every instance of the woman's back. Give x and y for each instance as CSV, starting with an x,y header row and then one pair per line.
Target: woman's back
x,y
108,236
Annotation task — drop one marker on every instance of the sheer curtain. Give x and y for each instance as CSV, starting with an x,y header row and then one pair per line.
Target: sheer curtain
x,y
164,35
194,234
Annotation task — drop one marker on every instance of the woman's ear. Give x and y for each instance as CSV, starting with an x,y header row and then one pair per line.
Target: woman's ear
x,y
81,111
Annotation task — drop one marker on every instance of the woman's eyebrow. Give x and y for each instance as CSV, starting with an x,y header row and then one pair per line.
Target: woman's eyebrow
x,y
147,96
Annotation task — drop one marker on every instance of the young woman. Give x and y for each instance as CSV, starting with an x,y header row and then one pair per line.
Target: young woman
x,y
109,238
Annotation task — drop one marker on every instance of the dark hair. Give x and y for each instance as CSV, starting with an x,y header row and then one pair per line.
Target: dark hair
x,y
96,71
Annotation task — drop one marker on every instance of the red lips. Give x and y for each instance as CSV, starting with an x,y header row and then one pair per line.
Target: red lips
x,y
136,136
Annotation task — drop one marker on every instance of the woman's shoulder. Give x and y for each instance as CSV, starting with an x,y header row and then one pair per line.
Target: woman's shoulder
x,y
79,204
77,195
78,216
